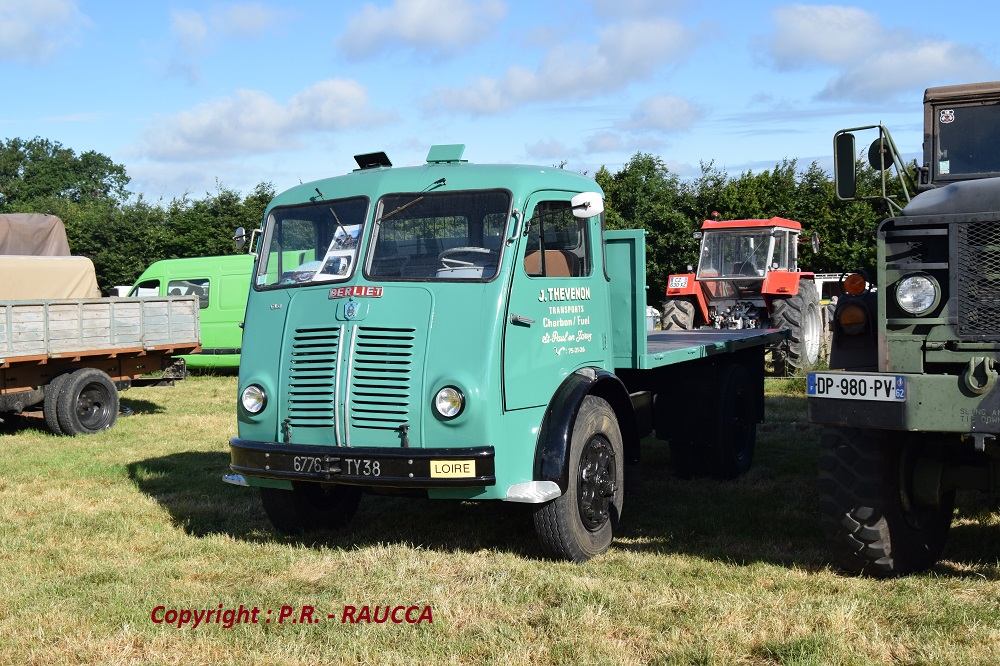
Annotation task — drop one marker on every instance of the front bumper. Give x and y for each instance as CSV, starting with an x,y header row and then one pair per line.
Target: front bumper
x,y
365,466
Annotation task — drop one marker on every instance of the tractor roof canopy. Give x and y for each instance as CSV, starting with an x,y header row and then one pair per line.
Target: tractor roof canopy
x,y
750,224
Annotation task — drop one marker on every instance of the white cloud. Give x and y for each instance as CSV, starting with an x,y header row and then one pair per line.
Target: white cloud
x,y
36,31
549,150
875,62
605,142
190,29
249,20
623,53
619,8
436,26
251,122
665,112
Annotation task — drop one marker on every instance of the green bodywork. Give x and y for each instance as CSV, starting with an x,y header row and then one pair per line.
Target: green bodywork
x,y
353,358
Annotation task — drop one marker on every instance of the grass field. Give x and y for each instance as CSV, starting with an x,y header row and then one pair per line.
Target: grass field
x,y
99,532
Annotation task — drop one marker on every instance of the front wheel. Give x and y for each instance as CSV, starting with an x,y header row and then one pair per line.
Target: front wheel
x,y
308,507
872,521
580,523
87,402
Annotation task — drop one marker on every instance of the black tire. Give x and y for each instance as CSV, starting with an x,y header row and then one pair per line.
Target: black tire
x,y
731,425
580,523
801,315
87,403
871,525
50,408
678,315
309,507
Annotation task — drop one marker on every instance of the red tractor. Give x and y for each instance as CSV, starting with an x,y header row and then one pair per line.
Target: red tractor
x,y
748,277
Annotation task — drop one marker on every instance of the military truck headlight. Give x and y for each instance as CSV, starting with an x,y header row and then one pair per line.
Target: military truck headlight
x,y
917,294
253,399
449,402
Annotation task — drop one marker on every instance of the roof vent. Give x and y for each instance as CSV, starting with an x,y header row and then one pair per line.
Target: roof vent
x,y
451,152
372,160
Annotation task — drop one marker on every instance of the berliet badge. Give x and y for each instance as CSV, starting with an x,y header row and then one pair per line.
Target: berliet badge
x,y
350,309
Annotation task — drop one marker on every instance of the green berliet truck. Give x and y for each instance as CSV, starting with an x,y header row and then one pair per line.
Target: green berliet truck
x,y
912,403
471,332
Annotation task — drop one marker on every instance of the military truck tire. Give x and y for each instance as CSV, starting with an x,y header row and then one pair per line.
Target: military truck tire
x,y
731,425
871,526
309,507
801,315
580,523
50,406
87,402
678,315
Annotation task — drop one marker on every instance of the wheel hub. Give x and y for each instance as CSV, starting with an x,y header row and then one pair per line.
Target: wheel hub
x,y
596,482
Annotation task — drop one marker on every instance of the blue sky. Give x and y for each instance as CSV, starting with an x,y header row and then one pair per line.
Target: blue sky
x,y
192,96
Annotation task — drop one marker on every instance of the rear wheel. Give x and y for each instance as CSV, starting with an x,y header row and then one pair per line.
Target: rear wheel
x,y
308,507
678,315
87,402
872,521
800,314
580,523
50,407
732,425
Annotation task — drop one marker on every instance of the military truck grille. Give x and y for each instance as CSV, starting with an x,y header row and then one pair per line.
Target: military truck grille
x,y
977,282
381,378
311,377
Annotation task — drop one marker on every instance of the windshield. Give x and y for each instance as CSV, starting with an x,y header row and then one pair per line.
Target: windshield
x,y
734,254
439,236
317,242
967,140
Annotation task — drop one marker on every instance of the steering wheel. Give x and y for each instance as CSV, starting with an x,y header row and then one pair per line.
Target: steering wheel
x,y
448,261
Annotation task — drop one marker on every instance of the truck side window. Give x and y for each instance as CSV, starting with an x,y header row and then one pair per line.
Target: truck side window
x,y
190,287
558,243
145,288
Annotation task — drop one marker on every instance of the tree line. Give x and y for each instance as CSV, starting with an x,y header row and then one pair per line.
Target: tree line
x,y
123,233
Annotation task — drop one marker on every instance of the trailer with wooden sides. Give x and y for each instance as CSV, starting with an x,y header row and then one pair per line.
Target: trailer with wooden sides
x,y
68,358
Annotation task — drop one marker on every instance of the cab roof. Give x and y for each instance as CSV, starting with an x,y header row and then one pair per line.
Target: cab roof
x,y
750,224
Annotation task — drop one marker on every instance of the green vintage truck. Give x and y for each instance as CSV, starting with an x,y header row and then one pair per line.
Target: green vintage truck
x,y
912,408
471,332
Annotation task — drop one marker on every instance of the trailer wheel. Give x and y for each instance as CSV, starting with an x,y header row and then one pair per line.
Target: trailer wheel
x,y
801,315
87,402
580,523
308,507
871,523
50,408
678,315
731,423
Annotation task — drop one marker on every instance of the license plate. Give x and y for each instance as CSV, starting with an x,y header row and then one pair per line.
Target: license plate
x,y
885,388
679,282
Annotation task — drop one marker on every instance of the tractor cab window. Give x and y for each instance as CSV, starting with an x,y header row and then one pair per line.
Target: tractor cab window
x,y
734,254
439,235
780,259
558,243
317,242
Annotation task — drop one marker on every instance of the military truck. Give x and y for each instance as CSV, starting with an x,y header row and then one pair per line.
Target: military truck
x,y
471,332
748,277
912,403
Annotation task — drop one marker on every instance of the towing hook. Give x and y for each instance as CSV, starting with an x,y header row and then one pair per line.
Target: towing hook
x,y
980,375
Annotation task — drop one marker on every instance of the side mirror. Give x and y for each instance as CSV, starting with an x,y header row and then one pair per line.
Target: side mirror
x,y
240,238
880,154
814,242
844,169
587,204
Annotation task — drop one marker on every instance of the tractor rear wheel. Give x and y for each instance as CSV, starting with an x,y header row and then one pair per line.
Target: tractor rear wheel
x,y
801,315
678,315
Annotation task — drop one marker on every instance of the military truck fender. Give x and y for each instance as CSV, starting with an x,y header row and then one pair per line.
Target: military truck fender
x,y
554,439
853,346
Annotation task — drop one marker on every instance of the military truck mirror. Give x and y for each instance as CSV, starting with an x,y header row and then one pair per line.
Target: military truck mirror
x,y
587,204
240,238
844,170
880,154
814,242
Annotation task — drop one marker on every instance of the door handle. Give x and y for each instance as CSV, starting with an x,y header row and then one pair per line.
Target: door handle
x,y
518,319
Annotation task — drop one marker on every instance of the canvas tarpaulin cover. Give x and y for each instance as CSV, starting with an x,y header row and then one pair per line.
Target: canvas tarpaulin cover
x,y
33,234
42,278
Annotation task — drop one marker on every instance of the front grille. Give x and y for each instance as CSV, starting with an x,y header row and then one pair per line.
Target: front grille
x,y
312,378
976,296
382,376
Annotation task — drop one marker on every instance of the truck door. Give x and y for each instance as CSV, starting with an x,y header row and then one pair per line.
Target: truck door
x,y
557,310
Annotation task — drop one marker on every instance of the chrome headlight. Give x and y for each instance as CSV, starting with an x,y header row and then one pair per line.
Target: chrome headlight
x,y
449,402
917,294
253,399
